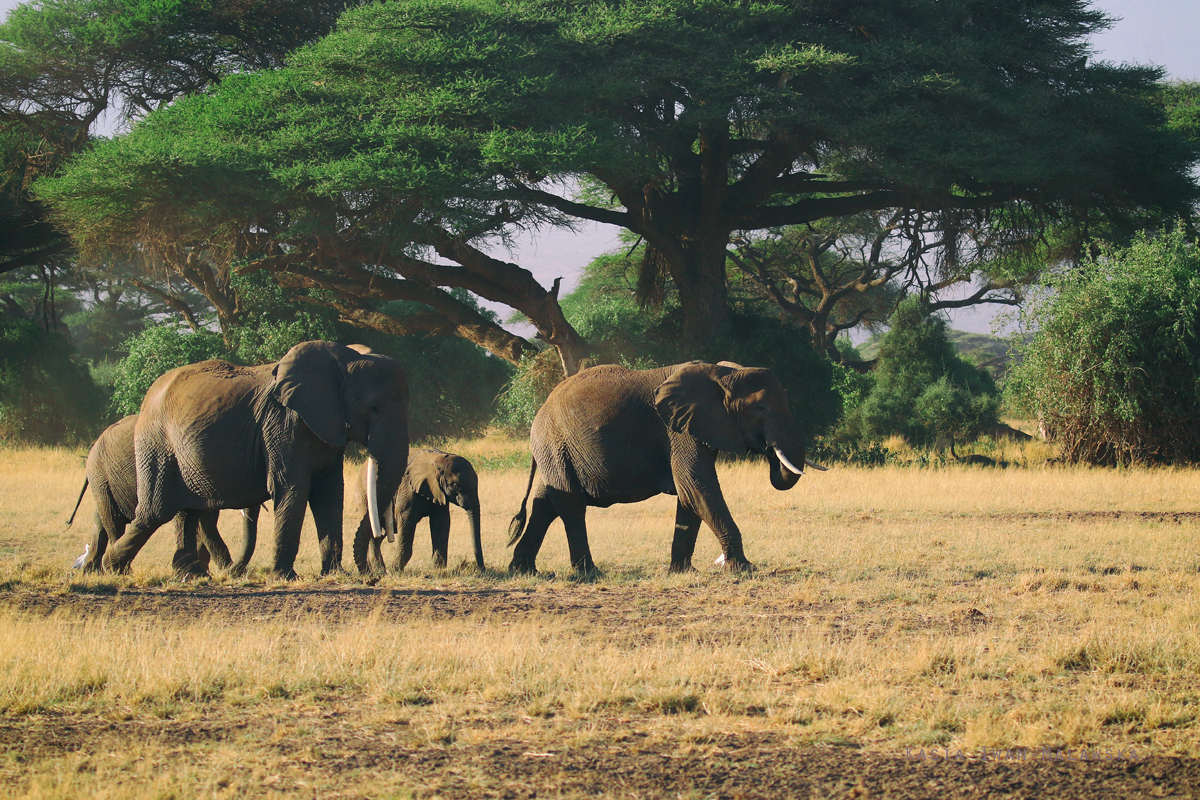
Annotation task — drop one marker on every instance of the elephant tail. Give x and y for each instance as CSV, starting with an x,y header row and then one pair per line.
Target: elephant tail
x,y
80,500
517,526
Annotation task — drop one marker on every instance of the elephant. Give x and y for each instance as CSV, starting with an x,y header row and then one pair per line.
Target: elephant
x,y
432,481
216,435
611,435
112,474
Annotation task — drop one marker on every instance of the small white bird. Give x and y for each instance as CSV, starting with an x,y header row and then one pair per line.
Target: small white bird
x,y
87,548
720,560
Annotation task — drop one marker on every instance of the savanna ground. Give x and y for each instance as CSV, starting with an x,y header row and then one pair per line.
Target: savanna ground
x,y
938,632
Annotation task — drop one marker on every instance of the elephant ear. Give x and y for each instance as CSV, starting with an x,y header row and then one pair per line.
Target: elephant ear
x,y
426,476
693,401
308,380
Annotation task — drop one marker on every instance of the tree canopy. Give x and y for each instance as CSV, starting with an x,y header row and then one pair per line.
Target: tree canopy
x,y
417,130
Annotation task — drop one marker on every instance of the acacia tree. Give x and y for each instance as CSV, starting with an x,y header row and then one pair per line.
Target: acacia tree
x,y
693,121
67,63
425,126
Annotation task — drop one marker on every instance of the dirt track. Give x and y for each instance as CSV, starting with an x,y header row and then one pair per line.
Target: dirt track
x,y
727,766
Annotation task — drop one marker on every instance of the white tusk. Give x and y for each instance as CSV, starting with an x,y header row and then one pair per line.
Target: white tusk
x,y
816,466
372,486
790,466
389,522
87,548
246,513
720,560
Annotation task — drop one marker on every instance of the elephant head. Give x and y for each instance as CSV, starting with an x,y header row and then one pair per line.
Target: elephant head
x,y
733,409
450,479
344,394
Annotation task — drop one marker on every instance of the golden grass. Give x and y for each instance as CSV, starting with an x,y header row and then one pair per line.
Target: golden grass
x,y
957,606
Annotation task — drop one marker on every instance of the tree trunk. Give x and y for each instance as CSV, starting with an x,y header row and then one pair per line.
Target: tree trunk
x,y
698,270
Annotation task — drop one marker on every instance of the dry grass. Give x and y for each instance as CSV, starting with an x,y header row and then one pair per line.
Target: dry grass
x,y
959,606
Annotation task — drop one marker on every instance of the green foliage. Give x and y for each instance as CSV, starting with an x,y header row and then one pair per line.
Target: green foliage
x,y
453,384
1112,371
45,396
922,388
158,349
534,379
604,310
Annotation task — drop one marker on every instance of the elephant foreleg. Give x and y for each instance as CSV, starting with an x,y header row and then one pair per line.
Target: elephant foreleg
x,y
249,540
406,530
439,534
210,538
700,492
687,526
289,519
325,500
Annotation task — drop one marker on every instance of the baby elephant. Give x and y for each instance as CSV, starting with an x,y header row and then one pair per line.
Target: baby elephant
x,y
112,475
433,480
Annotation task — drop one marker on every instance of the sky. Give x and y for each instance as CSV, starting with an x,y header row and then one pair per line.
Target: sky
x,y
1164,33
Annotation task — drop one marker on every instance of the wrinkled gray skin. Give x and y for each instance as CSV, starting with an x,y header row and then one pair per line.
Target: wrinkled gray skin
x,y
215,435
431,483
112,474
612,435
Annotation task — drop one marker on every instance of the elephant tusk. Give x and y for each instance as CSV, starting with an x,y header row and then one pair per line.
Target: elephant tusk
x,y
246,513
816,466
790,466
372,486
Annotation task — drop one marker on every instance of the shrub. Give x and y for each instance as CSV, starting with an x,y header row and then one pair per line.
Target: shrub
x,y
921,389
46,397
1113,371
156,350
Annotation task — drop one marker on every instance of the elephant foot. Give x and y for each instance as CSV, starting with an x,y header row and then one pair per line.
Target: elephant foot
x,y
737,564
189,569
586,568
237,570
522,568
680,567
288,574
117,566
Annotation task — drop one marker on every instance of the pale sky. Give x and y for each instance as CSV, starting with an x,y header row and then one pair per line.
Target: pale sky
x,y
1165,33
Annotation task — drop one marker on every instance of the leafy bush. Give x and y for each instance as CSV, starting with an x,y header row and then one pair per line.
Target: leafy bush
x,y
604,310
46,397
921,388
156,350
1113,371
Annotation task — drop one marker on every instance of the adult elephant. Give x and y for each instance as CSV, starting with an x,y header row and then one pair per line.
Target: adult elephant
x,y
612,435
215,435
432,482
112,474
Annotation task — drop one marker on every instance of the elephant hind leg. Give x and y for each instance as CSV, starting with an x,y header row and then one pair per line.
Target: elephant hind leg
x,y
541,513
210,538
573,512
188,562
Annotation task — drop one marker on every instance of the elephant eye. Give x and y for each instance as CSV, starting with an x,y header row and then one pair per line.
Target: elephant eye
x,y
374,409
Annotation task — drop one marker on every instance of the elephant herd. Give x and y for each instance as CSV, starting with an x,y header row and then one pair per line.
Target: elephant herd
x,y
213,436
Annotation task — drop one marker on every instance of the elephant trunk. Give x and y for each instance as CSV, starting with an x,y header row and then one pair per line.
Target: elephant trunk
x,y
786,457
387,459
472,508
